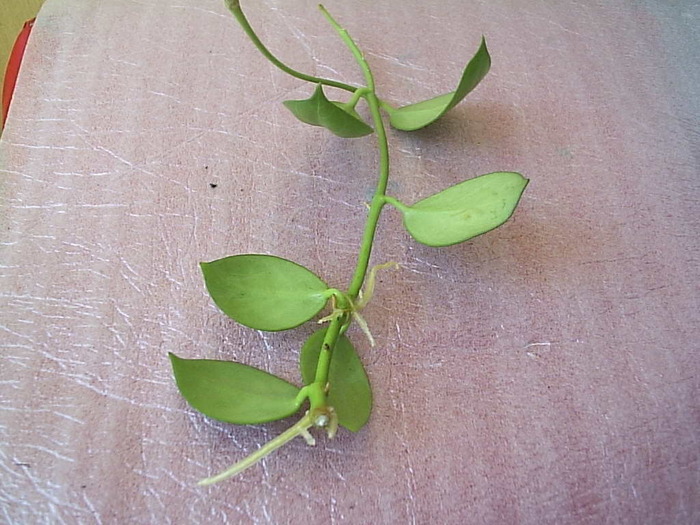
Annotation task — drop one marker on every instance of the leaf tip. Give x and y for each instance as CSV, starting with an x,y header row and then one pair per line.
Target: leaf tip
x,y
174,360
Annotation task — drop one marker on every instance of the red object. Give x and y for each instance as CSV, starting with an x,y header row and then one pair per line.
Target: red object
x,y
13,67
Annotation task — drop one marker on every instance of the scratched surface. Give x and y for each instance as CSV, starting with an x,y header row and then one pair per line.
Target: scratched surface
x,y
544,373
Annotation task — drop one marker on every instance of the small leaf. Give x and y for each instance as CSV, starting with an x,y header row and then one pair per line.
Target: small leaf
x,y
465,210
350,394
319,111
265,292
234,392
419,115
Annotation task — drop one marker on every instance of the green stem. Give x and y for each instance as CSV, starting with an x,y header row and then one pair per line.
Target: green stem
x,y
395,203
316,392
235,8
378,200
319,413
386,106
324,358
359,57
339,324
356,96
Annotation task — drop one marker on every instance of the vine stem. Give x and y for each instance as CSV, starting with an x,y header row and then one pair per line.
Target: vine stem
x,y
319,413
235,8
339,324
317,391
379,198
324,358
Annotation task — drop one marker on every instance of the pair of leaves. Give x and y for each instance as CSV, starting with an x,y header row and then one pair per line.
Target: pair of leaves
x,y
270,293
241,394
265,292
319,111
345,122
464,210
420,114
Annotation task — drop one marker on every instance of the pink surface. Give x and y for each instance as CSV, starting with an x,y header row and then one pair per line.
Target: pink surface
x,y
544,373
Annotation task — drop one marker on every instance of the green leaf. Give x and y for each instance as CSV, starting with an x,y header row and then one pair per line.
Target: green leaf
x,y
319,111
234,392
419,115
465,210
265,292
350,393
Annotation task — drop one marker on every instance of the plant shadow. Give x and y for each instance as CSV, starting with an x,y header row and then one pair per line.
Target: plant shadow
x,y
486,124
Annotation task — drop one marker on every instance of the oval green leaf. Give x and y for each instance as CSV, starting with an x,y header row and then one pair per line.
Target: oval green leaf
x,y
319,111
234,392
265,292
350,394
465,210
420,114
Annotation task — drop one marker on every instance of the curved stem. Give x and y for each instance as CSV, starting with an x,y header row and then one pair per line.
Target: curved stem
x,y
395,203
317,391
356,96
235,8
378,200
319,413
386,106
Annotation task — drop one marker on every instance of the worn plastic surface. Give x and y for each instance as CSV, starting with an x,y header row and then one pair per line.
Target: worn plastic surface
x,y
546,372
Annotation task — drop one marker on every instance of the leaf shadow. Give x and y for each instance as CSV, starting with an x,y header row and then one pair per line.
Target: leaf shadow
x,y
482,124
528,248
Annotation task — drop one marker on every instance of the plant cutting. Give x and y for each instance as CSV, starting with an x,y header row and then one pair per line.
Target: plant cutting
x,y
270,293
